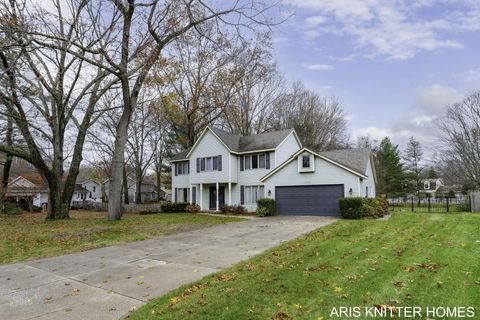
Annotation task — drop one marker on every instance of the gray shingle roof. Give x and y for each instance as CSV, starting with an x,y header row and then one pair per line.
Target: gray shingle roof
x,y
237,143
355,159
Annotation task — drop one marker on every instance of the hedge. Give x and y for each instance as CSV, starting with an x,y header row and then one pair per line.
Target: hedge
x,y
363,208
266,207
171,207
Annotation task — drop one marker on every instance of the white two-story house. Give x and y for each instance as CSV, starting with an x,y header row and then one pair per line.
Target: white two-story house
x,y
225,168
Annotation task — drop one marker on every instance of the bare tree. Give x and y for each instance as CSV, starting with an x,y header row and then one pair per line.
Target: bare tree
x,y
461,135
49,93
255,92
319,122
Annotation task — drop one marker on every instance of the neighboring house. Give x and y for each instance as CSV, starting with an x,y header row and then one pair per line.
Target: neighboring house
x,y
94,190
79,193
454,190
224,168
147,194
429,187
28,189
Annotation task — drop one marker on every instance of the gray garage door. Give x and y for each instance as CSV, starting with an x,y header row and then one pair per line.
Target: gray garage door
x,y
319,200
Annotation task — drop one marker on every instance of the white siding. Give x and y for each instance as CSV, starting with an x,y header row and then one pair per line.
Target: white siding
x,y
288,147
325,173
94,189
209,146
369,182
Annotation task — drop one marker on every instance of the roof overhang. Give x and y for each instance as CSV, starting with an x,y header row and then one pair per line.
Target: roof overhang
x,y
294,157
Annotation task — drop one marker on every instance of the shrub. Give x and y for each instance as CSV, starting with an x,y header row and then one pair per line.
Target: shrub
x,y
193,208
36,209
12,209
171,207
237,210
351,208
358,208
266,207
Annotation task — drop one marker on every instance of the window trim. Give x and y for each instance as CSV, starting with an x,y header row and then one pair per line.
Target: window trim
x,y
251,193
248,161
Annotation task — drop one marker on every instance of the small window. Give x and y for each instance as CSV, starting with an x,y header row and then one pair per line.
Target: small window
x,y
306,161
248,162
261,160
254,161
94,188
426,185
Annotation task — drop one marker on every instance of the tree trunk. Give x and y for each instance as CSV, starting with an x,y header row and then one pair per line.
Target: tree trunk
x,y
57,207
8,164
159,182
138,191
126,198
118,161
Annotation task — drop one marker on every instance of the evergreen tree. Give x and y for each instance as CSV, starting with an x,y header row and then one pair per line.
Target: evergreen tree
x,y
390,172
413,156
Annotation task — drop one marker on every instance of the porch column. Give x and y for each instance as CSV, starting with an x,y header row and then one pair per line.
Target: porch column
x,y
191,194
201,196
216,197
229,193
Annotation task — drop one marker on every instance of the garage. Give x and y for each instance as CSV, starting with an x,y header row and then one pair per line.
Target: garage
x,y
313,200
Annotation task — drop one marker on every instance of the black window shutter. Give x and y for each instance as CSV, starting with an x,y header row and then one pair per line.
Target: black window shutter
x,y
241,163
219,162
214,163
198,164
176,195
267,160
242,195
194,195
176,168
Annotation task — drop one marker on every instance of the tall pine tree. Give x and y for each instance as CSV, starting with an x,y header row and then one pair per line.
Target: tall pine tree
x,y
390,172
413,156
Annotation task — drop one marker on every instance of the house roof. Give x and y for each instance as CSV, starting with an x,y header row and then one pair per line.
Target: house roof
x,y
242,144
359,158
35,179
355,159
79,188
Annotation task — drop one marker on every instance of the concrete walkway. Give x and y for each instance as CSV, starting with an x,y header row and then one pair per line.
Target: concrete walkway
x,y
107,283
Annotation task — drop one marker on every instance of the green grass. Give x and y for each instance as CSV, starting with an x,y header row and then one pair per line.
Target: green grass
x,y
30,236
413,259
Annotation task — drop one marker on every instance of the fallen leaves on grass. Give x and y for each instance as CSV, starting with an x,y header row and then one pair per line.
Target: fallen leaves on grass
x,y
281,316
185,294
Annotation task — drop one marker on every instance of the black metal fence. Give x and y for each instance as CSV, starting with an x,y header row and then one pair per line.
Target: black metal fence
x,y
420,204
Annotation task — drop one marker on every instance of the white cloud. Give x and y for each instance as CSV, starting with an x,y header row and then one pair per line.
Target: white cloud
x,y
394,29
375,133
472,76
436,97
317,66
314,21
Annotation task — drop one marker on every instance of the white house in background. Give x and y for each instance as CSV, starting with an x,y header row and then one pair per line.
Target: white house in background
x,y
148,190
31,188
429,187
94,190
224,168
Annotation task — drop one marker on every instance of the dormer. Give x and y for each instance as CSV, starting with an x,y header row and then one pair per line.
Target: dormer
x,y
306,162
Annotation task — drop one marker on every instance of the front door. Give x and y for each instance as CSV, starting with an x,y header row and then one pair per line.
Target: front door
x,y
213,197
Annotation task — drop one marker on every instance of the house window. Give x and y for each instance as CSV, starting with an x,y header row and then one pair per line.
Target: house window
x,y
306,161
182,168
253,193
209,164
255,161
426,185
94,188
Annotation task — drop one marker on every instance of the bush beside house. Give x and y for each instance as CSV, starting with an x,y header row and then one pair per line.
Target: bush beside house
x,y
363,208
237,210
266,207
170,207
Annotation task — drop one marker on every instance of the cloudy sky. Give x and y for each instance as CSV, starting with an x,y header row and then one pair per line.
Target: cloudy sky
x,y
394,64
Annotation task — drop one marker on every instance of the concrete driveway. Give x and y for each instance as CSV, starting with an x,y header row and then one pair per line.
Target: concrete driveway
x,y
107,283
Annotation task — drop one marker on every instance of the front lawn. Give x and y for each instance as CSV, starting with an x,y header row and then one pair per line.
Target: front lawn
x,y
29,235
413,259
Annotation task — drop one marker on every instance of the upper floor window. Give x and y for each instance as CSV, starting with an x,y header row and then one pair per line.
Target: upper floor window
x,y
94,188
255,161
306,161
182,168
209,164
426,185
